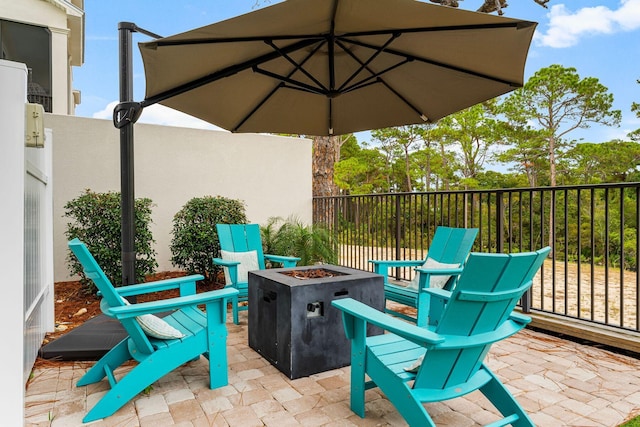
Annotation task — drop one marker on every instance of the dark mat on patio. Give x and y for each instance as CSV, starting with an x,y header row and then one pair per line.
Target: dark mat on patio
x,y
90,341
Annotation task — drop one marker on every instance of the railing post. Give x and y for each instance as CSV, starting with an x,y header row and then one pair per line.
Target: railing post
x,y
499,222
398,231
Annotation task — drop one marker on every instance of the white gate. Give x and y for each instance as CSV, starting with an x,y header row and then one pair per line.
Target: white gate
x,y
38,251
26,242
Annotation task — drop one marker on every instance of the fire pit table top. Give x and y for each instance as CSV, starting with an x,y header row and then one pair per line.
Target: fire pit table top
x,y
302,275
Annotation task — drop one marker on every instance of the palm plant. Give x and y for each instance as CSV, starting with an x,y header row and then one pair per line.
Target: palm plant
x,y
313,244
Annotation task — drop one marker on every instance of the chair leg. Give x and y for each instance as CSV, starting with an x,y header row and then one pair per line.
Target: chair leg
x,y
422,309
398,393
217,355
504,401
234,305
137,379
114,358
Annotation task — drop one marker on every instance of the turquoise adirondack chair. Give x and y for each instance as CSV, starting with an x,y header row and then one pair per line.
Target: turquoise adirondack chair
x,y
413,365
158,345
241,251
445,259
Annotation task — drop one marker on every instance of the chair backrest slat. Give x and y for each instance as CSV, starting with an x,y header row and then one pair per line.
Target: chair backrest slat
x,y
241,238
94,272
486,294
452,245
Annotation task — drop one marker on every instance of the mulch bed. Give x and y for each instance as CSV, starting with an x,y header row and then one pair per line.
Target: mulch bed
x,y
74,304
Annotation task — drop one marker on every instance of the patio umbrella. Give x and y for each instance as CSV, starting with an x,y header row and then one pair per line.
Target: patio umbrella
x,y
323,67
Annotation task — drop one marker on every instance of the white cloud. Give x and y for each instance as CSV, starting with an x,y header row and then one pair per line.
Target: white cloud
x,y
566,27
160,115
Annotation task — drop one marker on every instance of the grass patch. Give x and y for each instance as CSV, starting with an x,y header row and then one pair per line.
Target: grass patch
x,y
634,422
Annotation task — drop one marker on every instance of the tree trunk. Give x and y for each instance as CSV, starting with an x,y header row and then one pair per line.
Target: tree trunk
x,y
326,152
445,167
552,179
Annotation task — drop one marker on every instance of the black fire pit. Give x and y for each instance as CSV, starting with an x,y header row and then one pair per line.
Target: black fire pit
x,y
292,323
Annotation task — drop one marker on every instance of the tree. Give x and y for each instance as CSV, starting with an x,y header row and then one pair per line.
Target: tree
x,y
613,161
401,141
326,149
474,132
326,152
362,173
487,6
526,153
558,101
635,108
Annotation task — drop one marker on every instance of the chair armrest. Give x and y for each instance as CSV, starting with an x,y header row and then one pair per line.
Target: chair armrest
x,y
441,294
226,263
232,267
133,310
520,318
426,273
382,267
286,261
185,283
397,262
355,310
441,271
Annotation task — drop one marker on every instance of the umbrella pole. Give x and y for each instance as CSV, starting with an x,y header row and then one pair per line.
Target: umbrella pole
x,y
127,195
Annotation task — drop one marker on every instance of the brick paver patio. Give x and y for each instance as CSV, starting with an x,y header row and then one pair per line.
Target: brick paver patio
x,y
559,382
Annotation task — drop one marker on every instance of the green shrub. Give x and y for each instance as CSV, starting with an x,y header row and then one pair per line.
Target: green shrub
x,y
95,220
313,244
195,239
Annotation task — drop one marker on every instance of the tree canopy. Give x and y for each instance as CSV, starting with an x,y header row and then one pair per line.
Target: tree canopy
x,y
526,133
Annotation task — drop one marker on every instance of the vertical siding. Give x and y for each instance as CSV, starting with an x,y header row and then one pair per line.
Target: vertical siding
x,y
35,278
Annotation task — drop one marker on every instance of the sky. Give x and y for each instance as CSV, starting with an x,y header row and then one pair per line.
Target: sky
x,y
599,38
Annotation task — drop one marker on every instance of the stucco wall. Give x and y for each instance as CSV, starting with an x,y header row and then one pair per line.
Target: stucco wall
x,y
271,174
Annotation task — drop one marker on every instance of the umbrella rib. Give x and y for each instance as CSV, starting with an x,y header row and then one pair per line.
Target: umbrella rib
x,y
405,100
331,39
185,42
275,89
367,62
517,25
308,87
395,92
225,72
299,66
366,82
437,63
218,40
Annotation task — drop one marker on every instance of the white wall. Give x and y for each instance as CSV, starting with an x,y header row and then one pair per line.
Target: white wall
x,y
271,174
13,87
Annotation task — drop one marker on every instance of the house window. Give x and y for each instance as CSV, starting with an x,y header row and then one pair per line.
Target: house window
x,y
30,45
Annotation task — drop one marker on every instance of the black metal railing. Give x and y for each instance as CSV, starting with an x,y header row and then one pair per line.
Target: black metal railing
x,y
591,273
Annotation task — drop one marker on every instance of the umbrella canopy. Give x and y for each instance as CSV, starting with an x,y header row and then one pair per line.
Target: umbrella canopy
x,y
323,67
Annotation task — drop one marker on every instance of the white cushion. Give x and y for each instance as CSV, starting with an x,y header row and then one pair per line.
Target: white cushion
x,y
248,262
415,365
435,281
156,327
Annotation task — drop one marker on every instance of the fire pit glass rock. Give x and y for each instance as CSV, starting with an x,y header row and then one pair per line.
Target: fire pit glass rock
x,y
311,273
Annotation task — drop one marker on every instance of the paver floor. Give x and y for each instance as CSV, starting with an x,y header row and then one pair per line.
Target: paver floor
x,y
558,382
